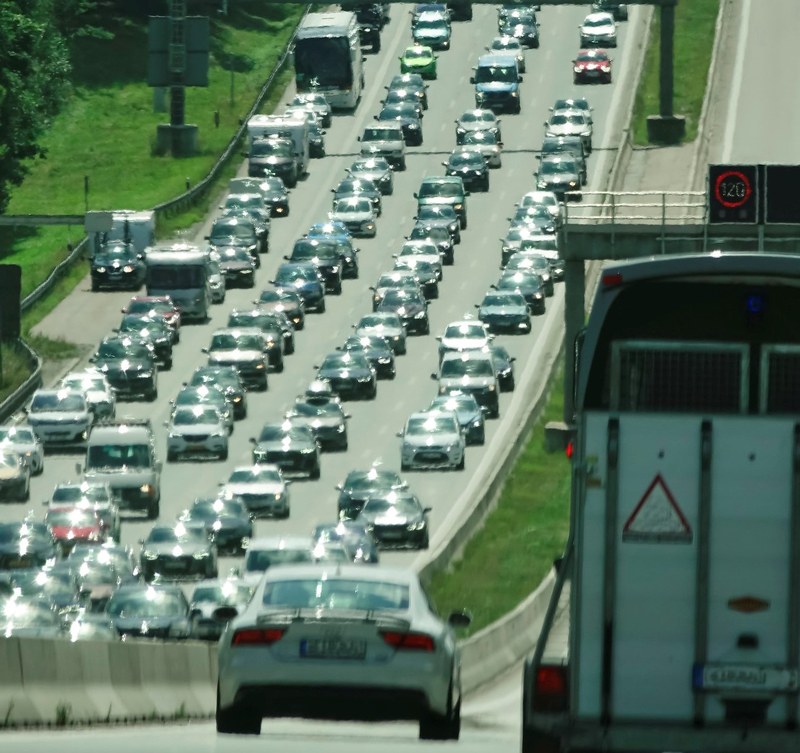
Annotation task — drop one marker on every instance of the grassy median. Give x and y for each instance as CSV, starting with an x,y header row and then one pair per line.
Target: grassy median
x,y
511,554
695,22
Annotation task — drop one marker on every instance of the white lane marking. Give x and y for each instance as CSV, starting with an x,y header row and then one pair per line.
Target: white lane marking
x,y
736,83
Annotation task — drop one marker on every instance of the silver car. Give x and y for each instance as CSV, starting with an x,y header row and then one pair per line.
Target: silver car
x,y
598,30
570,123
385,141
95,387
60,417
357,214
345,641
432,440
23,441
262,488
197,431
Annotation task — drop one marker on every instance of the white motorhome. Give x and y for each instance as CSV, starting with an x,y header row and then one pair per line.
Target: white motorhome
x,y
138,228
183,272
674,623
294,128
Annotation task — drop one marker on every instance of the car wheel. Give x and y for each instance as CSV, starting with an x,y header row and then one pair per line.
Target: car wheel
x,y
402,163
25,492
224,454
171,456
153,395
321,307
338,289
460,466
264,386
481,438
436,727
315,473
404,466
237,721
153,509
279,367
168,364
283,514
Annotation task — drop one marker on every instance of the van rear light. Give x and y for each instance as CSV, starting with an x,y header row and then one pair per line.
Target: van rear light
x,y
408,641
257,636
550,692
612,279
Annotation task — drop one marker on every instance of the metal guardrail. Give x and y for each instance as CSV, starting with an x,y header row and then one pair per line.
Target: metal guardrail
x,y
627,207
22,394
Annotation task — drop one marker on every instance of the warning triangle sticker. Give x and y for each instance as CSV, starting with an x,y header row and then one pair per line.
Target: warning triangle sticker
x,y
657,517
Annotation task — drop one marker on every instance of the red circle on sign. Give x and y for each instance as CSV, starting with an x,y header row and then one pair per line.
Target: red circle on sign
x,y
724,200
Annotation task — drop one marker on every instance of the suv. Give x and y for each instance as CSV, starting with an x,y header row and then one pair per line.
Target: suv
x,y
448,190
122,454
497,79
387,141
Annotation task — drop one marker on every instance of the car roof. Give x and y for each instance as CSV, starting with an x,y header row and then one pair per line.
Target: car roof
x,y
280,542
376,573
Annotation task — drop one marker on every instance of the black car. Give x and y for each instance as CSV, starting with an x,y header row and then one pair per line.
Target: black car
x,y
246,350
358,186
258,215
286,303
403,96
567,145
376,169
226,522
350,375
273,156
153,331
526,282
618,9
117,266
294,449
376,350
561,174
520,25
440,235
273,189
316,141
22,547
358,486
414,82
425,273
150,611
238,266
469,414
273,333
410,306
408,117
396,519
470,166
175,552
371,20
443,215
129,365
325,417
505,311
235,231
228,381
304,279
324,255
504,366
397,278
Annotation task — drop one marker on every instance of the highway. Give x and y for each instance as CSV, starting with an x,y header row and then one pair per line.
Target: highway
x,y
86,317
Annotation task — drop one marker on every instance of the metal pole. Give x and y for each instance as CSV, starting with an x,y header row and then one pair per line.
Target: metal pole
x,y
574,315
666,86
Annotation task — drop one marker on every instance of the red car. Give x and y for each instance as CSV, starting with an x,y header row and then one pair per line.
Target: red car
x,y
73,525
592,66
157,306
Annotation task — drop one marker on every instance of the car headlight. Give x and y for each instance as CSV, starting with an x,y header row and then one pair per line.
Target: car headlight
x,y
127,269
541,183
490,388
260,365
420,315
418,526
201,555
576,69
101,270
147,489
340,429
573,184
150,556
514,94
219,434
364,379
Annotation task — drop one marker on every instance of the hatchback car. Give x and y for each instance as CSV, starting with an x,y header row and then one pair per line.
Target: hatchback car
x,y
592,66
397,520
350,374
150,611
598,29
304,279
358,215
419,59
197,431
505,311
176,552
386,325
294,449
23,441
471,372
392,659
469,414
470,166
376,169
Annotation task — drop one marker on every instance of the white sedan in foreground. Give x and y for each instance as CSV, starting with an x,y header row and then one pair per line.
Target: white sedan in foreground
x,y
337,641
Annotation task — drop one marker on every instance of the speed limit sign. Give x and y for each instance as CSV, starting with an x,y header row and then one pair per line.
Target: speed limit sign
x,y
733,193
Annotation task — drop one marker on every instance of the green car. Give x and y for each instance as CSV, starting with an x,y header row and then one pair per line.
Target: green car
x,y
419,59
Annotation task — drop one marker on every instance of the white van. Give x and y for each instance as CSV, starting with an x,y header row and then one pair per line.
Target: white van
x,y
181,271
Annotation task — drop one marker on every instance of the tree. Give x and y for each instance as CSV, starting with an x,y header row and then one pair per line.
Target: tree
x,y
34,80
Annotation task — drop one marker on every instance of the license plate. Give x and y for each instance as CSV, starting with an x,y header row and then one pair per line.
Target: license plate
x,y
17,562
332,648
390,533
752,677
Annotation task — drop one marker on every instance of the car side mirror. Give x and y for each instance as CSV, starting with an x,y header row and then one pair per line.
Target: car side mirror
x,y
472,79
225,613
460,619
435,377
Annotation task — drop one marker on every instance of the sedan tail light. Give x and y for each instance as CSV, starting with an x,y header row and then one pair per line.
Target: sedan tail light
x,y
257,636
408,641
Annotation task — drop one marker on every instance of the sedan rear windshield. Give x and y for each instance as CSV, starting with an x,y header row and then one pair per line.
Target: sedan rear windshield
x,y
336,593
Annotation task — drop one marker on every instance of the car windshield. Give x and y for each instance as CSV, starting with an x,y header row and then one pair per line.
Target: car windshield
x,y
146,603
222,232
115,349
344,361
506,74
372,479
224,341
392,505
118,456
197,414
382,134
74,517
566,119
418,53
58,402
268,148
317,409
178,534
465,330
480,137
353,205
336,593
73,493
224,593
253,200
278,432
455,403
401,297
466,159
431,424
255,475
557,167
592,56
449,189
521,278
483,117
593,22
287,273
380,321
469,367
234,253
531,261
84,383
17,435
505,43
117,251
